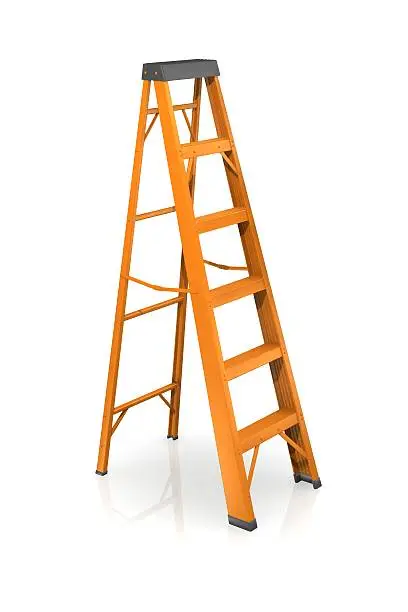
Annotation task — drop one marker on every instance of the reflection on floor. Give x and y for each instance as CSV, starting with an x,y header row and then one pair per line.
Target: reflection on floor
x,y
297,516
172,486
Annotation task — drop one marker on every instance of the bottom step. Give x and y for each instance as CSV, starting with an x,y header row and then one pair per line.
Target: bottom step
x,y
265,428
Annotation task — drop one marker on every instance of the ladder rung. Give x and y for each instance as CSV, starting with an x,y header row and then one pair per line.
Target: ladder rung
x,y
142,311
144,398
205,147
266,428
155,213
252,359
236,290
220,219
176,107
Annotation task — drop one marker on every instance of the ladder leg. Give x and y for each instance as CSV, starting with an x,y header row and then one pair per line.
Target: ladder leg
x,y
304,468
106,431
178,356
282,375
234,477
182,307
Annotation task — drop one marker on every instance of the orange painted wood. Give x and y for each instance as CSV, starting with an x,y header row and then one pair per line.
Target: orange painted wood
x,y
298,448
107,419
205,147
143,398
155,213
176,107
233,472
288,421
183,283
147,309
218,220
281,370
139,281
252,359
266,428
220,266
236,290
252,466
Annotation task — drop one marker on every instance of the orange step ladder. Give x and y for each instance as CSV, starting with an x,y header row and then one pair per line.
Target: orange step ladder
x,y
288,421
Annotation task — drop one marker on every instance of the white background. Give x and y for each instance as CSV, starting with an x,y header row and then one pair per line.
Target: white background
x,y
317,97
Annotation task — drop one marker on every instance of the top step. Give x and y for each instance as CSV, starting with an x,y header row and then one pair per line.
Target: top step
x,y
176,71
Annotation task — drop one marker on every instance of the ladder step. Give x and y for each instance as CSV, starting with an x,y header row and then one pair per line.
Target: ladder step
x,y
220,219
252,359
236,290
266,428
205,147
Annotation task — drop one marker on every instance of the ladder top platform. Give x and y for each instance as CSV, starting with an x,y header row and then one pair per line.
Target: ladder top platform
x,y
184,69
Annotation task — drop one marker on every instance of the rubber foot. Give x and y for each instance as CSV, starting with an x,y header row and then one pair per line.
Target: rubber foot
x,y
242,524
316,483
173,437
100,473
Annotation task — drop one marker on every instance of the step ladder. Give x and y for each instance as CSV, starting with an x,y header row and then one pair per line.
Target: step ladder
x,y
288,421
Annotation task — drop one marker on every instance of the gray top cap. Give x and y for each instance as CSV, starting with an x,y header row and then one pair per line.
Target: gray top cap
x,y
184,69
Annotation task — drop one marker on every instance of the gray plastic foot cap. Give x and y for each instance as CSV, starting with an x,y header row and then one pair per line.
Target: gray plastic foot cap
x,y
316,483
100,473
242,524
173,437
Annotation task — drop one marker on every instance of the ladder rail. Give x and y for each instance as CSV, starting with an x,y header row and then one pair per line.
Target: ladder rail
x,y
183,280
106,430
281,370
234,477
